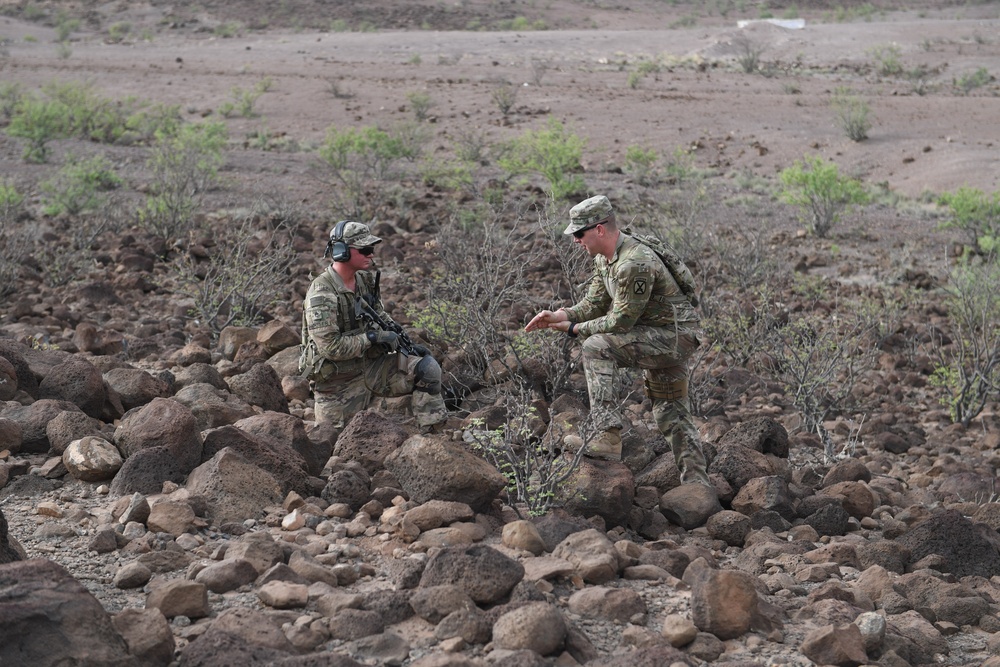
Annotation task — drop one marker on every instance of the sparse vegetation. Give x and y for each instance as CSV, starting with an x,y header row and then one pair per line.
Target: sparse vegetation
x,y
183,167
242,278
553,153
851,113
504,95
977,215
887,60
820,192
362,163
748,52
421,104
537,471
968,368
972,80
38,121
79,186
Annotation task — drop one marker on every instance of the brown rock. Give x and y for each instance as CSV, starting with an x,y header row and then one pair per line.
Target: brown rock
x,y
839,645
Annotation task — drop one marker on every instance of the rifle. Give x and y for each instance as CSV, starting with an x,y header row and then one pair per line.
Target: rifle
x,y
364,311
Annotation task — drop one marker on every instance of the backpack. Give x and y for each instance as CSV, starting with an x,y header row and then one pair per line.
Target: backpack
x,y
675,265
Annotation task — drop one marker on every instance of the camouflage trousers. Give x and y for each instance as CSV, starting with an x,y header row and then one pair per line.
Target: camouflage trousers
x,y
386,376
662,354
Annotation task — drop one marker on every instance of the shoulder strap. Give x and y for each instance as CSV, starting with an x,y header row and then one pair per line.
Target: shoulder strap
x,y
673,263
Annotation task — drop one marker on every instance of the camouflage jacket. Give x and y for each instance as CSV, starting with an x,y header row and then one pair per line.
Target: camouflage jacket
x,y
333,338
632,288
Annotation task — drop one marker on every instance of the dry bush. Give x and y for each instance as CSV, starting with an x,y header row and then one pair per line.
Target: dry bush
x,y
246,273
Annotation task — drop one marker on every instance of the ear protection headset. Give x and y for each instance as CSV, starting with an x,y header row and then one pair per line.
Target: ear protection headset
x,y
336,248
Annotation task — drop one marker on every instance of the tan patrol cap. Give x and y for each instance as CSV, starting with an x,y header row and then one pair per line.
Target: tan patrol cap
x,y
588,213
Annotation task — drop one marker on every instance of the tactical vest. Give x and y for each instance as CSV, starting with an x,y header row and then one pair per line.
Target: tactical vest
x,y
312,364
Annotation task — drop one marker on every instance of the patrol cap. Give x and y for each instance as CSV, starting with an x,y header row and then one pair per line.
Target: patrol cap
x,y
588,213
355,234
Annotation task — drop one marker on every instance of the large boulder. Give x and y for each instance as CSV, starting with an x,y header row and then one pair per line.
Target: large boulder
x,y
146,471
165,423
10,550
260,386
484,573
726,603
92,459
13,352
11,435
431,468
48,618
761,434
8,380
199,373
235,488
213,407
604,488
72,425
739,464
135,386
967,548
34,420
78,381
281,461
284,432
369,438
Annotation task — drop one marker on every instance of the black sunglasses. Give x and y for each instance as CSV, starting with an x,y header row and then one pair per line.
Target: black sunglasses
x,y
367,251
578,234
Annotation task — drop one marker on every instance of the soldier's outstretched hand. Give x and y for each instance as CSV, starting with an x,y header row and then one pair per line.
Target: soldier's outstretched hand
x,y
546,319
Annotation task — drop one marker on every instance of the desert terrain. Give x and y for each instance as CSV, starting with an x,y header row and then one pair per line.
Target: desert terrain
x,y
853,517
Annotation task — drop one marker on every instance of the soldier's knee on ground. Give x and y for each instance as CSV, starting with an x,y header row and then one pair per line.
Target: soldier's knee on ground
x,y
427,376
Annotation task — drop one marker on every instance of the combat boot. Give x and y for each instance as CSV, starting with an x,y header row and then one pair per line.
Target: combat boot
x,y
607,446
692,474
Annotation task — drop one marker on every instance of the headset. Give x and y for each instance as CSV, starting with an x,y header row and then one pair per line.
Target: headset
x,y
336,249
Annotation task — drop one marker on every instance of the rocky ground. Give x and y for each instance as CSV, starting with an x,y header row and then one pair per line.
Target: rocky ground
x,y
166,497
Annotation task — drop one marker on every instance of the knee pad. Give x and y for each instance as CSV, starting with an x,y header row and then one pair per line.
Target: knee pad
x,y
427,376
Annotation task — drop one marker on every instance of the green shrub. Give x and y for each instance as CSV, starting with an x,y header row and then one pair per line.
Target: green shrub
x,y
118,31
158,120
11,203
421,103
887,62
228,29
243,101
539,476
851,113
968,82
977,214
820,192
183,167
504,95
10,95
362,164
552,153
78,186
65,27
640,164
968,368
39,121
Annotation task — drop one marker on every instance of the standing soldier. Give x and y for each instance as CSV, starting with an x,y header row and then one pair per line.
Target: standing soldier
x,y
635,315
348,358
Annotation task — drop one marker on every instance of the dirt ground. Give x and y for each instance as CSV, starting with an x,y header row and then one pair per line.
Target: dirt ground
x,y
577,72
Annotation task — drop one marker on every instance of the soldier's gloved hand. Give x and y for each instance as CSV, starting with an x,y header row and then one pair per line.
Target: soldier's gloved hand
x,y
420,350
388,339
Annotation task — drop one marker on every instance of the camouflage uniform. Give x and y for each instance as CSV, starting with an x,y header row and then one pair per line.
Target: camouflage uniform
x,y
347,371
634,315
